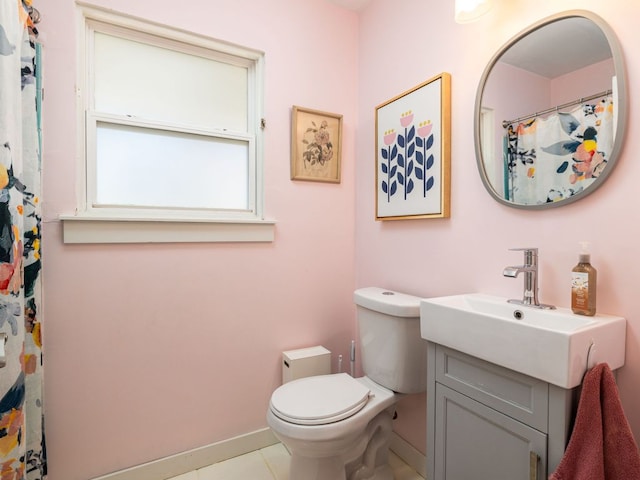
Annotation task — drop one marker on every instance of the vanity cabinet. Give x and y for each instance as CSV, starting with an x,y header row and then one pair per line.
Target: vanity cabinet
x,y
488,422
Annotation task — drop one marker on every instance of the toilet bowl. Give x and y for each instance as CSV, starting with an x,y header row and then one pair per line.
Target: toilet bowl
x,y
331,442
337,427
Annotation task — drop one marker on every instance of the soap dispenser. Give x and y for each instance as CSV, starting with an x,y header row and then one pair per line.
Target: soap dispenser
x,y
583,284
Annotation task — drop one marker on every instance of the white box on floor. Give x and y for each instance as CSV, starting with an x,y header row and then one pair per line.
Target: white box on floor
x,y
305,362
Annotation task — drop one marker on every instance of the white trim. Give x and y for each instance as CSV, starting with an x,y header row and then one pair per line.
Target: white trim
x,y
184,462
81,108
110,16
77,229
409,454
201,457
112,119
488,132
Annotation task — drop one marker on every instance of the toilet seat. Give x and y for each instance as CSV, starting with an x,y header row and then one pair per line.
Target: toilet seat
x,y
319,400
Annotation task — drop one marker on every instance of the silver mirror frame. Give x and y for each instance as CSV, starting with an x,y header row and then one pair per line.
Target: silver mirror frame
x,y
621,126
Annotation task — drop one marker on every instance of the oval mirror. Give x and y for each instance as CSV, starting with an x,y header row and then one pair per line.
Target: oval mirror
x,y
550,112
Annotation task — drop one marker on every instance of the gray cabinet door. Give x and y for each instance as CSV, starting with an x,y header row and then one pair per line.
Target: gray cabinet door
x,y
475,442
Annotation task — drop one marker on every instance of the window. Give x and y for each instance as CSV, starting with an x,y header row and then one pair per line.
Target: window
x,y
171,130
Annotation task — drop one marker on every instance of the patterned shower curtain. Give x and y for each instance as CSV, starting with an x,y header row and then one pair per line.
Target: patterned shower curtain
x,y
22,451
553,158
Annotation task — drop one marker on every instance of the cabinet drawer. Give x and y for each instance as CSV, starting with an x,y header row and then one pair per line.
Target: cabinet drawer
x,y
521,397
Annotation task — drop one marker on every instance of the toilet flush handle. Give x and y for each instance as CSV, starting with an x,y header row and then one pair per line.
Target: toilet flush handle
x,y
353,358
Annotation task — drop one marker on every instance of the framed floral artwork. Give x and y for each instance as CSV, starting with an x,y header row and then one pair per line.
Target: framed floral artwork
x,y
316,145
413,152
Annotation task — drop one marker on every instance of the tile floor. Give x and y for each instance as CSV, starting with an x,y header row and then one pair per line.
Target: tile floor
x,y
272,463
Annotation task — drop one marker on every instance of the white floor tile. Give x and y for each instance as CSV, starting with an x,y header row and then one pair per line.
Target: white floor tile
x,y
402,471
278,460
272,463
187,476
250,466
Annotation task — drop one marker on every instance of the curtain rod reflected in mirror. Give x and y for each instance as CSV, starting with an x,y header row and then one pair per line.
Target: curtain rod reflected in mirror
x,y
557,108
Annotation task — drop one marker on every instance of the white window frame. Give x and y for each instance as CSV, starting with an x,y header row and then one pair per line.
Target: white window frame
x,y
90,224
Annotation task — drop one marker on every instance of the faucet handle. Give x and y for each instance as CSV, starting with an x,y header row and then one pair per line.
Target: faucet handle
x,y
530,255
533,250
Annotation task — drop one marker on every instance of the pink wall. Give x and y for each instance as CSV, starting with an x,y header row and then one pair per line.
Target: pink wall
x,y
467,252
588,81
153,350
532,92
536,93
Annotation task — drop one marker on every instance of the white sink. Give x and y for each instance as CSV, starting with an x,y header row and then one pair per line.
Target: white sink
x,y
552,345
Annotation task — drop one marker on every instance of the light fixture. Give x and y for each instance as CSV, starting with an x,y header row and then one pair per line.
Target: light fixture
x,y
470,10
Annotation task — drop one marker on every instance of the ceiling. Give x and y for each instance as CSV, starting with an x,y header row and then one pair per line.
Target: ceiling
x,y
559,47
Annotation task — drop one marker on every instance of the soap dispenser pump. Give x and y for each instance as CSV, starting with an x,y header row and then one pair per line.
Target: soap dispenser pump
x,y
583,284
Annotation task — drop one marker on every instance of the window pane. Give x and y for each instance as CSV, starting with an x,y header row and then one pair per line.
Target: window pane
x,y
140,80
155,168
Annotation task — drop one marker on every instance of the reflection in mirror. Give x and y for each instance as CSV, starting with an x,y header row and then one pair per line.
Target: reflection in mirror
x,y
550,112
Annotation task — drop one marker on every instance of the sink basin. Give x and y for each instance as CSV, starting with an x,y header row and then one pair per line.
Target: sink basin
x,y
556,346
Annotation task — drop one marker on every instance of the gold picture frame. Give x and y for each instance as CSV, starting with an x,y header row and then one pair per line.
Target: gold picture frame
x,y
316,145
413,152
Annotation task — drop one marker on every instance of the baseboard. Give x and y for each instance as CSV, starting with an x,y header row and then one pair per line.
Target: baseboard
x,y
409,454
184,462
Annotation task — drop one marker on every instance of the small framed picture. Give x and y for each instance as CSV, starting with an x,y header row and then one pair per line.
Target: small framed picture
x,y
316,145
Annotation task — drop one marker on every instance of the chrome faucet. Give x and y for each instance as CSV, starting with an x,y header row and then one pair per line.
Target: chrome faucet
x,y
530,270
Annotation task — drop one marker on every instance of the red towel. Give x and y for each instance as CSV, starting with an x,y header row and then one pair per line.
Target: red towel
x,y
602,446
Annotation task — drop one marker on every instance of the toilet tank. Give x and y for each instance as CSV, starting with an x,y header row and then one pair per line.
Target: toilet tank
x,y
393,353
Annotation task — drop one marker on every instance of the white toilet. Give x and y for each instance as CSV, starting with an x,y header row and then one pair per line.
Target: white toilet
x,y
337,427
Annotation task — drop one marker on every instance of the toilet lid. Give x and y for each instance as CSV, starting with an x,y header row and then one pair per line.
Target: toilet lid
x,y
319,400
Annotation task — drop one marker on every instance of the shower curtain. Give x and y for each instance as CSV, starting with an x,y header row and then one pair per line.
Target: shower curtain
x,y
553,158
22,450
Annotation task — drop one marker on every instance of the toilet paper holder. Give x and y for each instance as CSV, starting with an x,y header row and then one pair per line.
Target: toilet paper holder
x,y
3,356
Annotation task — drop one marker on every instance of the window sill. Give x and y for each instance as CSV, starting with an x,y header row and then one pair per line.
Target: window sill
x,y
92,229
